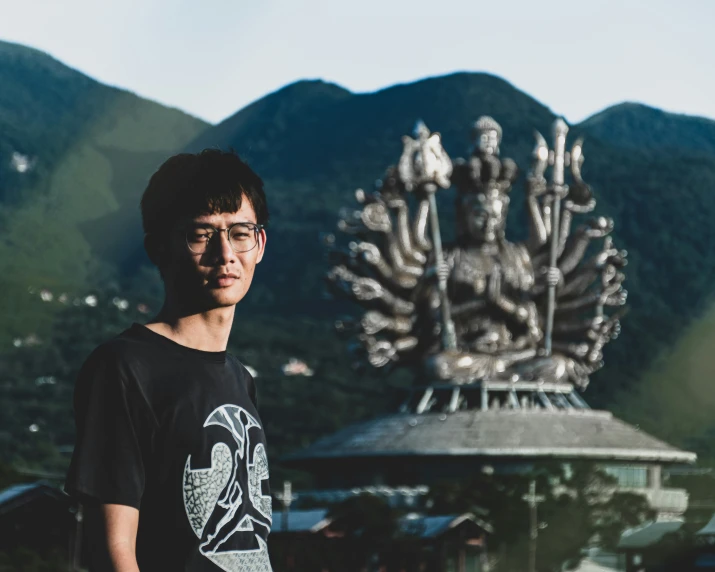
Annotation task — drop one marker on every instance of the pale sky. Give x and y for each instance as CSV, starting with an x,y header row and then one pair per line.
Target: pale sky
x,y
212,58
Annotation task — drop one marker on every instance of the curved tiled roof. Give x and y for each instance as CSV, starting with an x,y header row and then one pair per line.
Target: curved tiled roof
x,y
535,433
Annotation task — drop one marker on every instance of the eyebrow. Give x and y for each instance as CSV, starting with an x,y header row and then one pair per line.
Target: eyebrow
x,y
207,224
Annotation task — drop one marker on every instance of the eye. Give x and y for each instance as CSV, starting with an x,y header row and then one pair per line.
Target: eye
x,y
241,233
199,235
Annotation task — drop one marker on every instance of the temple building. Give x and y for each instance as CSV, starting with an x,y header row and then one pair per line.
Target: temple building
x,y
451,431
500,336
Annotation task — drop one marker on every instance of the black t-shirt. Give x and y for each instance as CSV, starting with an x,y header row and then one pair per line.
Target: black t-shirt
x,y
173,431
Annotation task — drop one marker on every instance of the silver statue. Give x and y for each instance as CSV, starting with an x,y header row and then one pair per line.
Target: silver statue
x,y
482,307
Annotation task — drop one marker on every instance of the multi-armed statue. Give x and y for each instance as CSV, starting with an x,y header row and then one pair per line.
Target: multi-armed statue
x,y
481,309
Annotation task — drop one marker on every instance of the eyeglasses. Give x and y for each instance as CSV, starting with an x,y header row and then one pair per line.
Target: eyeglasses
x,y
242,236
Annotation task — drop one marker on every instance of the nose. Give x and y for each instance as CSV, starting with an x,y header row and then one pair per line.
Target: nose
x,y
223,249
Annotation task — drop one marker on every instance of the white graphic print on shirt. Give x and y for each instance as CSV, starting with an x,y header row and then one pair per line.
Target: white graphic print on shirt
x,y
203,490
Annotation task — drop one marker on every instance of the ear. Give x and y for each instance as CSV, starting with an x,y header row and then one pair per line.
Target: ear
x,y
262,243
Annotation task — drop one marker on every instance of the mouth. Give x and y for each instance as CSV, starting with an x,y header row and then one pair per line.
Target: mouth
x,y
224,280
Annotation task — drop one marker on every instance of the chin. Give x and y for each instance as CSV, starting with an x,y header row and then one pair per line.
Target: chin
x,y
228,297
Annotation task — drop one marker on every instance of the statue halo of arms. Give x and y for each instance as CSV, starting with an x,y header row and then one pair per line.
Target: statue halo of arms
x,y
480,308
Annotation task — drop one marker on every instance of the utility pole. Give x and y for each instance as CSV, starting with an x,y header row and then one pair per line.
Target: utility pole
x,y
533,500
286,497
75,558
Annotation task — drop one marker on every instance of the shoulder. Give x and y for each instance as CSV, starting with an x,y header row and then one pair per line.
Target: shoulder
x,y
106,357
126,352
108,366
107,378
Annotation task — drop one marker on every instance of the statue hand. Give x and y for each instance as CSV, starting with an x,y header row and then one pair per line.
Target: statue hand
x,y
618,258
561,191
522,313
536,187
574,207
610,255
599,227
617,299
494,290
554,276
443,269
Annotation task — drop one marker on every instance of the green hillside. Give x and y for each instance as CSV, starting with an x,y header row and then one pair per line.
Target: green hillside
x,y
676,398
634,125
90,148
314,143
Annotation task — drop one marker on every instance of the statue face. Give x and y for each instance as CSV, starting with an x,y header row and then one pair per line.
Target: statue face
x,y
485,216
489,141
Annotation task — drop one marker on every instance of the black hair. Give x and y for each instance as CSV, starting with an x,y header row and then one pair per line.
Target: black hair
x,y
194,184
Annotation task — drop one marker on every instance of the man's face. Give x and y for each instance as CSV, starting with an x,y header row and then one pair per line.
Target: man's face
x,y
195,276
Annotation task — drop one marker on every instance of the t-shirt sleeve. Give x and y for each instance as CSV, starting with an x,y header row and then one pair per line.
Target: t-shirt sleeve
x,y
107,462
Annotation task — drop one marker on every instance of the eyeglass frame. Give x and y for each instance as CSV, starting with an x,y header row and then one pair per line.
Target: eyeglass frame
x,y
184,229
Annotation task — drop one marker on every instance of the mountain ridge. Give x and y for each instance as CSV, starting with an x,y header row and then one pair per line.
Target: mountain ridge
x,y
314,143
636,125
87,147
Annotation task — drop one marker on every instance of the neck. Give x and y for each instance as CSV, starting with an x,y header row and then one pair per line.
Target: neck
x,y
490,247
201,329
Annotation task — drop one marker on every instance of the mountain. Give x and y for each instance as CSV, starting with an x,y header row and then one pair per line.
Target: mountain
x,y
92,148
72,150
634,125
315,143
676,397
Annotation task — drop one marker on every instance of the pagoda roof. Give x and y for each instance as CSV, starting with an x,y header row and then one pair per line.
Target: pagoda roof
x,y
526,434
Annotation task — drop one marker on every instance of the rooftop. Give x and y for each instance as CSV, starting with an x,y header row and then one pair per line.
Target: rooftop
x,y
648,534
300,521
532,433
413,525
17,495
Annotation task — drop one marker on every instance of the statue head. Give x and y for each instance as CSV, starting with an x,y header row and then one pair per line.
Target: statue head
x,y
483,215
487,136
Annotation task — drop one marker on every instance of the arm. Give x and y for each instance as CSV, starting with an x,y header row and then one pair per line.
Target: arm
x,y
494,294
110,534
106,474
538,233
120,527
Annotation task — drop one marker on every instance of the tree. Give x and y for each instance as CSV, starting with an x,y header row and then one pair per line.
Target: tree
x,y
369,525
580,507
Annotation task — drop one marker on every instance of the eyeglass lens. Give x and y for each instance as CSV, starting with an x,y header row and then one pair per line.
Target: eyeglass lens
x,y
242,238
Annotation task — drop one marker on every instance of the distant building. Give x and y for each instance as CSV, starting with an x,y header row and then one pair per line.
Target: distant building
x,y
448,431
296,367
497,334
38,517
305,540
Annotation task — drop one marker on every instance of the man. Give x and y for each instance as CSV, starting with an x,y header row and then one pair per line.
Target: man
x,y
170,460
